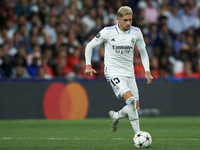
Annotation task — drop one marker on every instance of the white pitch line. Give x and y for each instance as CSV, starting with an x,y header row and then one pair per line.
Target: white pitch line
x,y
181,139
96,139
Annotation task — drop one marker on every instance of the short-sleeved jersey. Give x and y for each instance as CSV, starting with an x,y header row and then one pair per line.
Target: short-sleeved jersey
x,y
119,48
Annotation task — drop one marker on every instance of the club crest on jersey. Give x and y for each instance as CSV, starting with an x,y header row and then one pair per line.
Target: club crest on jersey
x,y
98,35
132,40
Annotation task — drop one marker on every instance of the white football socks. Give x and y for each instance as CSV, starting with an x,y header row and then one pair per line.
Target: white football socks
x,y
123,113
133,114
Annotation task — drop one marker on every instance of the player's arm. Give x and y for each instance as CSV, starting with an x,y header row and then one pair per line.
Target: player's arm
x,y
97,40
88,56
144,58
145,62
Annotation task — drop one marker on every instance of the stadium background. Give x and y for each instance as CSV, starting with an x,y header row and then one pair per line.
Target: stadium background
x,y
42,42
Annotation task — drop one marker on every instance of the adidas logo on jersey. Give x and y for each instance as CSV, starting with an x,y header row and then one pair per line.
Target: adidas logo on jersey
x,y
113,40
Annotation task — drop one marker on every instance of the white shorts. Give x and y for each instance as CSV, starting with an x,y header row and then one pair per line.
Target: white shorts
x,y
122,84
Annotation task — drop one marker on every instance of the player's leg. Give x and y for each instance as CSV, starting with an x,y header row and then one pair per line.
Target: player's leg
x,y
134,90
121,89
132,111
132,86
128,110
119,85
123,113
137,105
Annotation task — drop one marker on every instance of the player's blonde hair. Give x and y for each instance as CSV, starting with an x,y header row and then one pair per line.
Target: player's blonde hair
x,y
124,10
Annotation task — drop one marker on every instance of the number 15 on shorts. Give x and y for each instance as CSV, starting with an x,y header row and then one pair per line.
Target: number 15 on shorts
x,y
115,81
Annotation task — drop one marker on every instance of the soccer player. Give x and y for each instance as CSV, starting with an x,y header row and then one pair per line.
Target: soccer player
x,y
119,41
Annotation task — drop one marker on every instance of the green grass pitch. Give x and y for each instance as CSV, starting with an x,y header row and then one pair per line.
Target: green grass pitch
x,y
168,133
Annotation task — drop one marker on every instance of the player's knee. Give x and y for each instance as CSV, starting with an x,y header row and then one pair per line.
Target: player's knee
x,y
131,101
126,94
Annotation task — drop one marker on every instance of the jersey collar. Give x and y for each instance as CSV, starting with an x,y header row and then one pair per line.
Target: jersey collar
x,y
120,31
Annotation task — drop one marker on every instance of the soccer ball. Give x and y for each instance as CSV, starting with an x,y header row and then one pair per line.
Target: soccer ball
x,y
142,140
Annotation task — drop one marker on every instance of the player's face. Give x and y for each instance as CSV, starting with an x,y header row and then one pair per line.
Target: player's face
x,y
125,22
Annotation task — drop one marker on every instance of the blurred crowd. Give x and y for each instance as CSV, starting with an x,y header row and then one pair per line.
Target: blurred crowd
x,y
47,38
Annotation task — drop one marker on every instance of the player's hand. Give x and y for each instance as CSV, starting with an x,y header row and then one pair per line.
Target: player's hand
x,y
89,71
148,76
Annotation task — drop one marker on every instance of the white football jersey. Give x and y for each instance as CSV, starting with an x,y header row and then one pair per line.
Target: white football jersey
x,y
119,49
